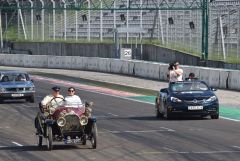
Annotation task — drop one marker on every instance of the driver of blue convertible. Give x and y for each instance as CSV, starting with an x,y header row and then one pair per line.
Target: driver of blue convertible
x,y
53,100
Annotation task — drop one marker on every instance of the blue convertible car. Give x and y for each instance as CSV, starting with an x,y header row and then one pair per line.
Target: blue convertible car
x,y
188,98
16,85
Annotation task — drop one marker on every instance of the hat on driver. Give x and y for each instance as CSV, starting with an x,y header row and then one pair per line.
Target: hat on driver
x,y
56,88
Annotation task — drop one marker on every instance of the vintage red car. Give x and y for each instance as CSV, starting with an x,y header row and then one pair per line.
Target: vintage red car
x,y
68,123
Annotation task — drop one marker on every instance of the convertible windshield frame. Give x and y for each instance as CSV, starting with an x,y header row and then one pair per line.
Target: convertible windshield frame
x,y
185,86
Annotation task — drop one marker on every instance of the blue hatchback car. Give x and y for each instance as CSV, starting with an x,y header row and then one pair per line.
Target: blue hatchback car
x,y
16,85
189,98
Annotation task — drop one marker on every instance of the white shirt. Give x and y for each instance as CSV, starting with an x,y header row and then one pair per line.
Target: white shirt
x,y
54,103
73,100
174,77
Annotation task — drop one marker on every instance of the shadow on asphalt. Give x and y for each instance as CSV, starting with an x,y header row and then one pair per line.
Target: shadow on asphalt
x,y
44,148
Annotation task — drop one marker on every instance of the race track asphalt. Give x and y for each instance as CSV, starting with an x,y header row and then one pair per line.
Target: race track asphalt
x,y
128,130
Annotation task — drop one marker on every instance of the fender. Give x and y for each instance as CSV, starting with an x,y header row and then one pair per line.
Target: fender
x,y
50,122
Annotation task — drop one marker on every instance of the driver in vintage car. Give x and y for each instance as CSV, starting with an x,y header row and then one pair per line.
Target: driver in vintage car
x,y
51,101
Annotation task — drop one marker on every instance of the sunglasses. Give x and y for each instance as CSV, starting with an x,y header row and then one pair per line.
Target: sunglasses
x,y
71,91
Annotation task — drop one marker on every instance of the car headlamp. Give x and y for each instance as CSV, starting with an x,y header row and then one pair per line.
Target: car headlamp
x,y
61,121
83,120
31,89
2,89
211,99
174,99
46,114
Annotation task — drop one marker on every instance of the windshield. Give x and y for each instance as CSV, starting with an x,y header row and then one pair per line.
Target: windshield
x,y
73,104
188,86
17,77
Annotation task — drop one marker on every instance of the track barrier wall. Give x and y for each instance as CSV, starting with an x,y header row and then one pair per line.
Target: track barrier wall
x,y
218,78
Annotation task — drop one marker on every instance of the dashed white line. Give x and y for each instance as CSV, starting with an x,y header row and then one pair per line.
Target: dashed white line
x,y
187,152
237,147
170,149
16,143
168,129
113,114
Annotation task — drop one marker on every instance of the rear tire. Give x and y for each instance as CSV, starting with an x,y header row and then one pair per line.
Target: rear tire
x,y
157,113
49,138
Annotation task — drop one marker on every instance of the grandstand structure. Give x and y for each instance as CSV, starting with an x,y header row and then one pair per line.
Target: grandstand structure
x,y
175,24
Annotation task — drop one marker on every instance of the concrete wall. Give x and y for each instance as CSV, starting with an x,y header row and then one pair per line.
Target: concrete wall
x,y
150,52
219,78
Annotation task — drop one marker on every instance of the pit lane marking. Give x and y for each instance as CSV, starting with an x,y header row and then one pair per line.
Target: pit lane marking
x,y
16,143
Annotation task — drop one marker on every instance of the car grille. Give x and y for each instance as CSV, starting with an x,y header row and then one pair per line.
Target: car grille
x,y
15,89
194,102
72,123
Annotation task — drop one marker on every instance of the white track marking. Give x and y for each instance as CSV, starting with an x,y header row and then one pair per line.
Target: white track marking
x,y
113,114
168,129
237,147
17,143
229,119
25,105
170,149
200,152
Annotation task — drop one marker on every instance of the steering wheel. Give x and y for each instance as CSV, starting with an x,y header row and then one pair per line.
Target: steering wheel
x,y
51,103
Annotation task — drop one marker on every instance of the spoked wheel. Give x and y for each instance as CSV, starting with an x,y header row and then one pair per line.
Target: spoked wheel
x,y
94,136
49,138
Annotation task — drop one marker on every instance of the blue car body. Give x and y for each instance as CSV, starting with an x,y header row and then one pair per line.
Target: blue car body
x,y
187,98
16,85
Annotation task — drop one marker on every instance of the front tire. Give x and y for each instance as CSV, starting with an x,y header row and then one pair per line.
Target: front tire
x,y
215,116
94,136
49,138
40,138
30,99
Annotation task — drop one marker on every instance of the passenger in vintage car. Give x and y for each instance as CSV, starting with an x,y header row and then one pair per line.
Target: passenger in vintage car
x,y
71,98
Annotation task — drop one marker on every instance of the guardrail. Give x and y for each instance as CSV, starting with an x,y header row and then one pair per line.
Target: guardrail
x,y
218,78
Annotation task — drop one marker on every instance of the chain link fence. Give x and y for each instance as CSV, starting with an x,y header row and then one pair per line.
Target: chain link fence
x,y
172,24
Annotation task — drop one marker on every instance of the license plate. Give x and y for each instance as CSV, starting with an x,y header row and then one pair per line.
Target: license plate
x,y
195,107
17,95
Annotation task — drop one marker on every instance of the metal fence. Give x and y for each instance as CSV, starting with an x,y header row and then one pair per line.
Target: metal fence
x,y
176,24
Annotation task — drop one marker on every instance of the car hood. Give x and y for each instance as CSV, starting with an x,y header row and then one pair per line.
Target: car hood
x,y
16,84
190,95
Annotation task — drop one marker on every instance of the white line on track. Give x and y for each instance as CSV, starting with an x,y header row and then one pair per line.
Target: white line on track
x,y
200,152
113,114
229,119
170,149
237,147
132,99
16,143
